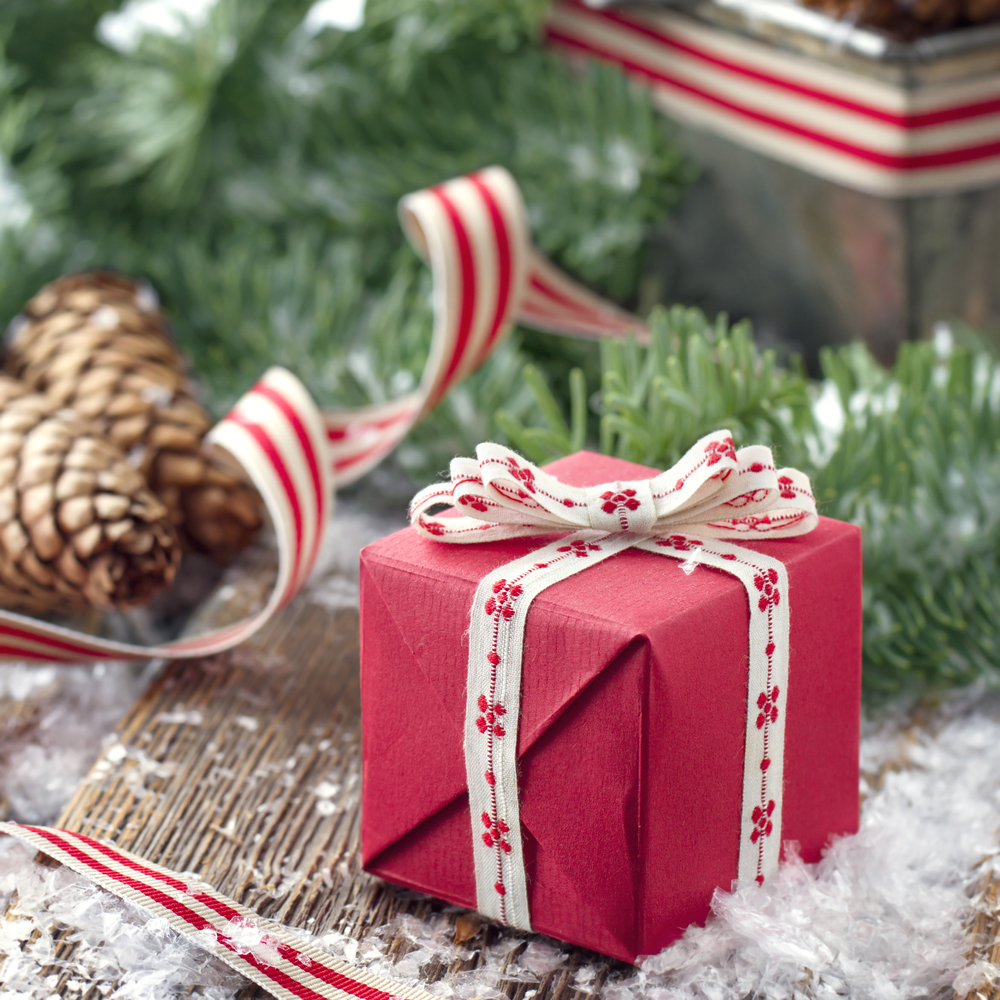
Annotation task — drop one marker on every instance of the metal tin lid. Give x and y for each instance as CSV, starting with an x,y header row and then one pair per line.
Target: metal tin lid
x,y
961,54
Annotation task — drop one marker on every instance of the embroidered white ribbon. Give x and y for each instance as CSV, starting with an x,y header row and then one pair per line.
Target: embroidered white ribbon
x,y
712,494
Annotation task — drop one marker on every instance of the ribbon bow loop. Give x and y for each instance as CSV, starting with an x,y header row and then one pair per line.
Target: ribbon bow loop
x,y
714,490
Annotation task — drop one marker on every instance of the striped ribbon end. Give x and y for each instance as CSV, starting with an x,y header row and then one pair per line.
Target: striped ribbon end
x,y
281,441
555,303
265,952
23,638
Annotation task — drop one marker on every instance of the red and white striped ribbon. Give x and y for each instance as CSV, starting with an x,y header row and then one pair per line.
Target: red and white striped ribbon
x,y
853,129
714,494
287,966
473,232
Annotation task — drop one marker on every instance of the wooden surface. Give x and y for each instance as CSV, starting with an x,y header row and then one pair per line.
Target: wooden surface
x,y
984,934
245,768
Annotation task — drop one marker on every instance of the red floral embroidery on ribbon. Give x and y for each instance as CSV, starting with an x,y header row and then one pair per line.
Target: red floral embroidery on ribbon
x,y
762,821
786,483
494,835
752,520
525,476
580,549
678,542
620,502
754,496
718,450
503,601
489,719
433,527
769,593
471,500
766,702
614,500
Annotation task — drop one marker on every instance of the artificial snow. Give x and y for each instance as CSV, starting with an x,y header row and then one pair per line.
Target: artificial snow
x,y
882,917
46,752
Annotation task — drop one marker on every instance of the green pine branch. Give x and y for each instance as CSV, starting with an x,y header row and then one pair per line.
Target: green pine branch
x,y
910,454
251,169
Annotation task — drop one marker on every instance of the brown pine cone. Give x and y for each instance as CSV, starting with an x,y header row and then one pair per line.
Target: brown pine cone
x,y
99,344
981,11
78,527
936,14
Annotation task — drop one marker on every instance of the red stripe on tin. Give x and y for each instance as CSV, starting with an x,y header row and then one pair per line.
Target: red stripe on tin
x,y
909,121
913,161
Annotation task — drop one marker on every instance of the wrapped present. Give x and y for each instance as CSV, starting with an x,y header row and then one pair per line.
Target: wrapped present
x,y
659,746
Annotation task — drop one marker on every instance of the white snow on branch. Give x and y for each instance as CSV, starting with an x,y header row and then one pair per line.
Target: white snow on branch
x,y
124,29
344,15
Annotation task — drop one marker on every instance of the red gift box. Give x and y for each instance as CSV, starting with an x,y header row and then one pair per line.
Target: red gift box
x,y
633,713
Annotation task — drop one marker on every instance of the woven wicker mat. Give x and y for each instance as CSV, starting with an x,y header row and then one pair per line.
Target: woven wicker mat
x,y
245,768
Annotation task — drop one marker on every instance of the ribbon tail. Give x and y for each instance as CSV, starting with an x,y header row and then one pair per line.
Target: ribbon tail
x,y
766,583
286,965
554,303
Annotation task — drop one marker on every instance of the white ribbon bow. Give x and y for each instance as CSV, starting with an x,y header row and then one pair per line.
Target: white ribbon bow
x,y
714,491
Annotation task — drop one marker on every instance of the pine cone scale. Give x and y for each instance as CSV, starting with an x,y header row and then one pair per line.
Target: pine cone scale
x,y
73,537
97,343
38,501
85,542
75,514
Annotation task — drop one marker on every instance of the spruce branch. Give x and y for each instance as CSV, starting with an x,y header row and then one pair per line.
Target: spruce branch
x,y
543,443
244,159
911,455
697,376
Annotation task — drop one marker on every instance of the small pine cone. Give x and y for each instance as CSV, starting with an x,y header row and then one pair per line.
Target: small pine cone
x,y
981,11
935,14
98,343
78,526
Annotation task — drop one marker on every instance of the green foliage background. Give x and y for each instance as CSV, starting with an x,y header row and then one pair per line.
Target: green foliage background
x,y
912,455
249,164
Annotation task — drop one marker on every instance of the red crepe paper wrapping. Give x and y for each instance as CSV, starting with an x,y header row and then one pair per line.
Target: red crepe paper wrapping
x,y
633,711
